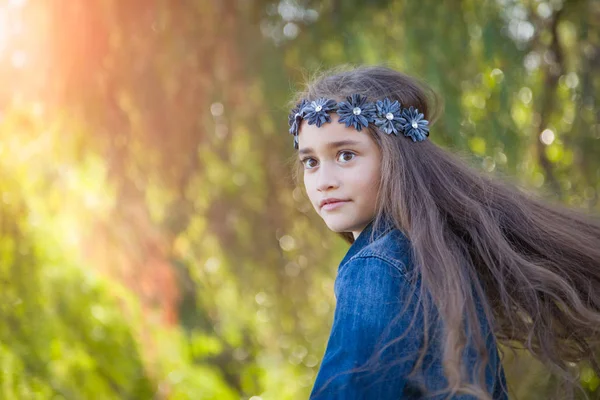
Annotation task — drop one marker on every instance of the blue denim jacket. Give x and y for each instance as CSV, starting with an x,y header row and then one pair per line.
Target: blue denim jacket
x,y
371,290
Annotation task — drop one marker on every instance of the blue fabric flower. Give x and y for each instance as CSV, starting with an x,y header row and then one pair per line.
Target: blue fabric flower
x,y
356,111
389,117
295,117
415,126
315,112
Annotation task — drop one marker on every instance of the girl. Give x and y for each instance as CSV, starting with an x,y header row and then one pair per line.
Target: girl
x,y
444,262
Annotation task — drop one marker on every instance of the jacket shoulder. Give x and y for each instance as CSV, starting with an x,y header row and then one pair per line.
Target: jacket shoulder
x,y
392,247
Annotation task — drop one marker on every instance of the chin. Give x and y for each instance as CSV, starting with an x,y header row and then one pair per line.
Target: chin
x,y
339,226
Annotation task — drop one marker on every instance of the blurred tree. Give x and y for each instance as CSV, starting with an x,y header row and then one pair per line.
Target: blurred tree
x,y
62,335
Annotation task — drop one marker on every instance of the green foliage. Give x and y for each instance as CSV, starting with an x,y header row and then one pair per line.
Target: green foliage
x,y
62,333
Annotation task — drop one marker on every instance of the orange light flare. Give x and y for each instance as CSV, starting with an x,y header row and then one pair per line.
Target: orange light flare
x,y
11,29
4,34
23,49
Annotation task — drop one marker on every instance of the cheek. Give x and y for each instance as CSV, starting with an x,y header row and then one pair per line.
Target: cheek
x,y
367,184
366,179
309,186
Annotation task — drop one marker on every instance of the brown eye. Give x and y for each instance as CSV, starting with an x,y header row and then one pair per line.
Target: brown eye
x,y
346,156
309,163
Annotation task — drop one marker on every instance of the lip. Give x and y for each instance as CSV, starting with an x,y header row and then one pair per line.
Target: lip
x,y
331,203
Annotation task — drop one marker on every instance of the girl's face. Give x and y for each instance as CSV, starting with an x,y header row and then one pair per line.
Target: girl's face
x,y
342,167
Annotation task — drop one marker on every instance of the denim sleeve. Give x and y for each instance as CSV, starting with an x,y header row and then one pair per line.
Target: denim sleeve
x,y
374,305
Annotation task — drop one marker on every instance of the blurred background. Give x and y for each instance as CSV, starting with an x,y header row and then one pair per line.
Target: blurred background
x,y
152,242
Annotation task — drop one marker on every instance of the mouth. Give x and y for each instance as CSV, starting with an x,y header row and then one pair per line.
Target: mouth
x,y
334,204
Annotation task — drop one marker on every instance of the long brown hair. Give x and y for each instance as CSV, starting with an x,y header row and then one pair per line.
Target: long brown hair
x,y
535,264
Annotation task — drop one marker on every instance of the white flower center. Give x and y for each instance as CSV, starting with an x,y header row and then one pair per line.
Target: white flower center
x,y
318,108
415,125
389,116
356,111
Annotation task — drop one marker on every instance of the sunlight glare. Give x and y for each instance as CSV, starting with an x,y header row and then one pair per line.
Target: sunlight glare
x,y
18,59
3,29
17,3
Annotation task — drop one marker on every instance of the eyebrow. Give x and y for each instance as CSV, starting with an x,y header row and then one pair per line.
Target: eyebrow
x,y
332,145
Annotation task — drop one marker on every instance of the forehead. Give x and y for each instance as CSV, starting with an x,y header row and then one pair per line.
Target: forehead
x,y
311,136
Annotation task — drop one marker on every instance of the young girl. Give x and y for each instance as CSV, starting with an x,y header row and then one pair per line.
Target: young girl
x,y
445,262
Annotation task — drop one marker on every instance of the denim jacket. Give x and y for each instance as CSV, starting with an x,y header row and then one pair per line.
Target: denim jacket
x,y
372,290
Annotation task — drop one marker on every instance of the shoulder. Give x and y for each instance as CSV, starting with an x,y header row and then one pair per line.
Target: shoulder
x,y
372,290
392,249
377,274
380,269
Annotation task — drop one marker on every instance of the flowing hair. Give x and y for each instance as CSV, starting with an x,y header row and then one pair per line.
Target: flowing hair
x,y
536,265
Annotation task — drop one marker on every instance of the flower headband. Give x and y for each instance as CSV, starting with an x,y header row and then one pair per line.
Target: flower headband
x,y
387,115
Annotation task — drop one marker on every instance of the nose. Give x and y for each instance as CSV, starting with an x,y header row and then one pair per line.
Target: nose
x,y
327,178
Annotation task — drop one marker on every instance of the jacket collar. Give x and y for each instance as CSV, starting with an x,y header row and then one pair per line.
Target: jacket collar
x,y
364,238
